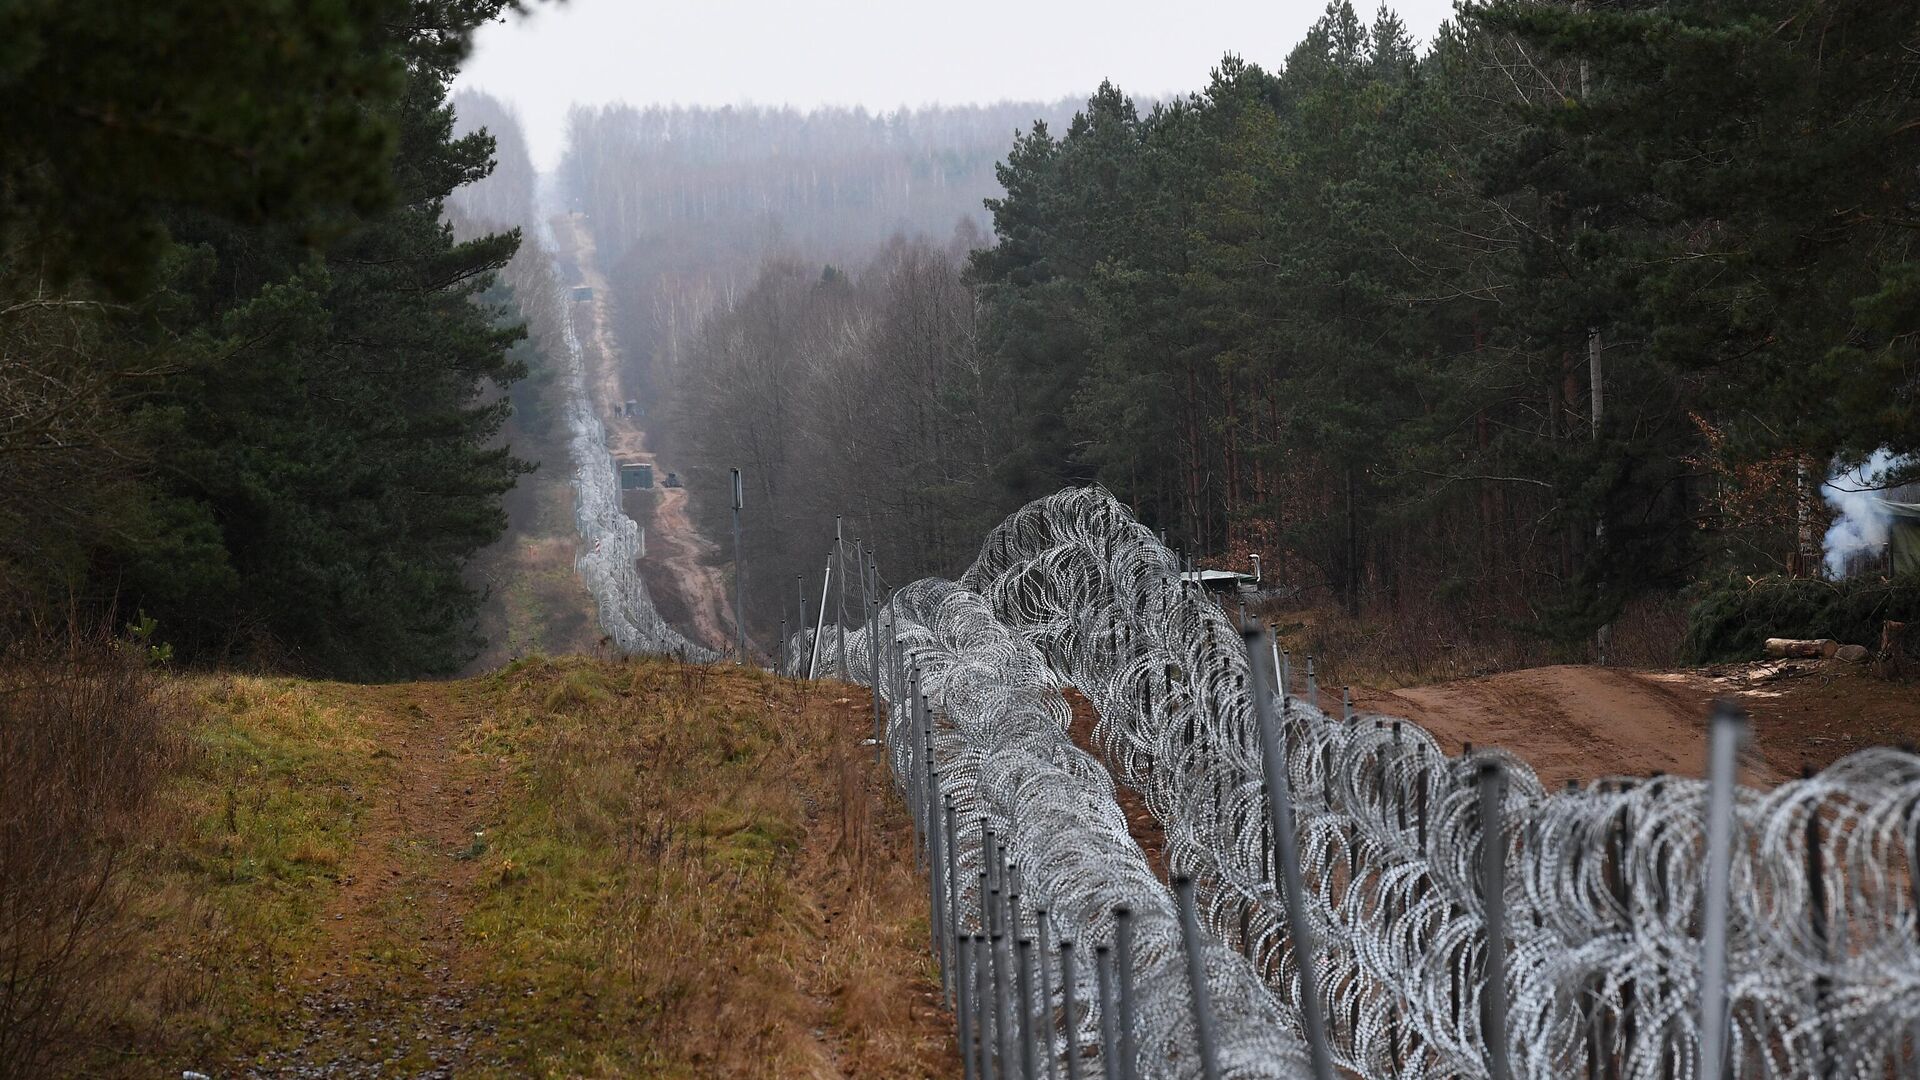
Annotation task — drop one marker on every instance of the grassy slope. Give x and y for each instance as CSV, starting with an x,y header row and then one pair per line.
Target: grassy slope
x,y
565,868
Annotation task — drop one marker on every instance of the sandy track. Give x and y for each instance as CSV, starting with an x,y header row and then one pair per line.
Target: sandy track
x,y
1583,723
1568,722
681,568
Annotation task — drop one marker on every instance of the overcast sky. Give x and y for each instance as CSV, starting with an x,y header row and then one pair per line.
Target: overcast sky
x,y
879,53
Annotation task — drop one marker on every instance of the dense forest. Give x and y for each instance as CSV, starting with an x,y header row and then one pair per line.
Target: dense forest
x,y
1574,307
251,384
1571,309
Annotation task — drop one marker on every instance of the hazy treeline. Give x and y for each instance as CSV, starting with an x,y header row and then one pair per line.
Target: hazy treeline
x,y
686,202
245,385
862,394
533,599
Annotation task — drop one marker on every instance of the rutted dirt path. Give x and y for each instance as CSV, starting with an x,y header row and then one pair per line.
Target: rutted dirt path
x,y
383,992
681,568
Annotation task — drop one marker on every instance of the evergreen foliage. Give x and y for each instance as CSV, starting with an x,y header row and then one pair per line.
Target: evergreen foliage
x,y
1506,324
296,399
1731,621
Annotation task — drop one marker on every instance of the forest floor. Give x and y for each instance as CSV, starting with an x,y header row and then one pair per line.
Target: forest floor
x,y
568,867
681,567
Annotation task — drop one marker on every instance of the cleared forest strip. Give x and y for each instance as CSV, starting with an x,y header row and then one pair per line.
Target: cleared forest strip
x,y
569,867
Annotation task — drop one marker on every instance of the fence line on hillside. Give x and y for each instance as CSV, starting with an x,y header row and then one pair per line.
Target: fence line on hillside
x,y
610,542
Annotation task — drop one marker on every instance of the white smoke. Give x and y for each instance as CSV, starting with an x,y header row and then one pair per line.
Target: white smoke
x,y
1860,522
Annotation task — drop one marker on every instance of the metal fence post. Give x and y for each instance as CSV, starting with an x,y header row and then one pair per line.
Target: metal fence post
x,y
936,882
820,625
1068,1010
739,569
1109,1038
916,767
873,668
982,994
926,745
964,1008
951,841
1002,1008
1029,1054
1123,961
1493,885
1197,979
840,609
800,616
1046,988
1725,733
1287,854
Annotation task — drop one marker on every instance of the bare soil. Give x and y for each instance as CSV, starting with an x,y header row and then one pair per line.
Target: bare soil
x,y
1573,722
1581,723
1145,828
385,985
681,567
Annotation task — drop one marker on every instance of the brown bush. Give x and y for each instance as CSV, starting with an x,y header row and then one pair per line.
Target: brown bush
x,y
87,732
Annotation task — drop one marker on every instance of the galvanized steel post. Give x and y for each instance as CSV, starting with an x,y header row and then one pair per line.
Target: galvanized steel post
x,y
1123,961
1197,979
739,570
1287,853
1109,1025
1726,732
1029,1052
1493,888
1069,1010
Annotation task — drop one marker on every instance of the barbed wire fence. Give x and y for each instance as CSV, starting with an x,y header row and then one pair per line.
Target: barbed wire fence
x,y
1590,938
610,541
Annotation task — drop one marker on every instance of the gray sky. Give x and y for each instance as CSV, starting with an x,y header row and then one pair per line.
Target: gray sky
x,y
879,53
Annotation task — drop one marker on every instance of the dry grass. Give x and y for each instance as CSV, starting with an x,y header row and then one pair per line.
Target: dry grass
x,y
679,871
232,876
710,858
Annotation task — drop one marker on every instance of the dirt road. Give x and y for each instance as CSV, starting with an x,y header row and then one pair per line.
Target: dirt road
x,y
681,569
1582,723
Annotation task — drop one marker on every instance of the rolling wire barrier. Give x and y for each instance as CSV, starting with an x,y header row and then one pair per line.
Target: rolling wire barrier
x,y
610,541
1345,897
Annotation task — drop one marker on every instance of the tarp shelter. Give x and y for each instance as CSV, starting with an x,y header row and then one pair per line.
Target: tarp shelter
x,y
1903,535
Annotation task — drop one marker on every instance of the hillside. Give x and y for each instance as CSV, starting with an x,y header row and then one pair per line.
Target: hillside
x,y
568,867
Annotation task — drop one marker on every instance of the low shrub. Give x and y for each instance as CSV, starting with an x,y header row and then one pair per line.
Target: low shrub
x,y
88,731
1731,621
